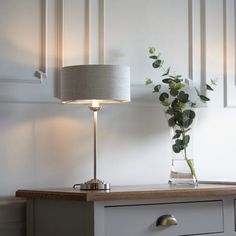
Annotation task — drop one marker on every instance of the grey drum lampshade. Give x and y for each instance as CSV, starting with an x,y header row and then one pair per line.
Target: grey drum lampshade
x,y
84,83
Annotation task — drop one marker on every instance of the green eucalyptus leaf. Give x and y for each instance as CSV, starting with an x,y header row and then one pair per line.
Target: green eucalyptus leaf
x,y
181,105
208,87
176,148
204,98
176,136
157,88
178,115
176,85
148,81
182,93
180,143
172,85
183,97
169,111
153,57
180,85
178,131
167,72
167,81
190,114
197,91
177,105
174,92
174,104
177,80
157,63
171,122
186,140
165,103
163,97
187,123
214,82
151,50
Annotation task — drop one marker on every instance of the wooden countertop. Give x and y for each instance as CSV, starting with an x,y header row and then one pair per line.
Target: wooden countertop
x,y
131,192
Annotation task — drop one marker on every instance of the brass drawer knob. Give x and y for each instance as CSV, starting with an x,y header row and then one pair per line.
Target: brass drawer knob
x,y
166,220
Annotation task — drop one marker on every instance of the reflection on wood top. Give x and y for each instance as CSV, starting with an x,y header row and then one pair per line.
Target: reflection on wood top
x,y
131,192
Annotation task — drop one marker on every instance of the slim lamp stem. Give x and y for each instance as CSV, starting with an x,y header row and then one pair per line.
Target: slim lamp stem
x,y
95,143
94,184
95,109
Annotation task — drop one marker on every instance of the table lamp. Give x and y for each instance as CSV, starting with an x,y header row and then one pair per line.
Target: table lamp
x,y
95,85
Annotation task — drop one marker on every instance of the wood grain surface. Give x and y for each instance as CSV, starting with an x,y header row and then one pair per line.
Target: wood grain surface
x,y
131,192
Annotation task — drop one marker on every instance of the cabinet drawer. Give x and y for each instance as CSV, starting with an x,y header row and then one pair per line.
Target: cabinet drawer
x,y
140,220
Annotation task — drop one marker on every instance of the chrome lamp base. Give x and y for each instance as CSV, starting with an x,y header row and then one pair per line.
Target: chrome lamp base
x,y
94,184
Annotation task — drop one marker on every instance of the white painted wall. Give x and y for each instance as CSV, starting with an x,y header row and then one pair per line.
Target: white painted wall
x,y
50,145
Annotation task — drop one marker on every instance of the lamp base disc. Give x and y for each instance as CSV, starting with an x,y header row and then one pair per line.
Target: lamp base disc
x,y
95,184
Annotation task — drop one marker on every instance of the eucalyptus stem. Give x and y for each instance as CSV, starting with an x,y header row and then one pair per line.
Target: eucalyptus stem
x,y
185,146
162,67
189,161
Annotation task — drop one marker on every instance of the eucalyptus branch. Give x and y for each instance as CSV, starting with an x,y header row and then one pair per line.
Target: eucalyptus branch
x,y
177,104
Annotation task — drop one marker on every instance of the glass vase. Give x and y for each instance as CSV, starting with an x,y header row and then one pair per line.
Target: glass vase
x,y
182,162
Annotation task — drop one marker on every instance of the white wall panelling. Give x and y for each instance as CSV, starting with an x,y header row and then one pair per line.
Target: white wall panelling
x,y
29,50
60,34
101,32
42,67
42,72
76,36
197,44
96,31
190,38
59,45
49,145
194,36
87,38
142,26
87,32
229,24
203,44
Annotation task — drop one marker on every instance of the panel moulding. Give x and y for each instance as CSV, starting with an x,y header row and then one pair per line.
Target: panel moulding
x,y
190,38
94,31
203,45
59,45
229,60
41,72
197,43
87,32
101,32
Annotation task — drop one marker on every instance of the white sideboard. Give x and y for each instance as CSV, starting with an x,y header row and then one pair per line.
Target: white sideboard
x,y
132,211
